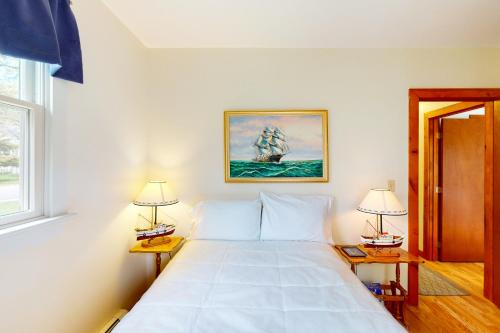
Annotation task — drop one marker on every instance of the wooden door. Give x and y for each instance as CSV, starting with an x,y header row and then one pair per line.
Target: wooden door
x,y
462,200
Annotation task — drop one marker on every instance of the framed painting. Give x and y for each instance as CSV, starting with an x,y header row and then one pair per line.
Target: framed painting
x,y
276,146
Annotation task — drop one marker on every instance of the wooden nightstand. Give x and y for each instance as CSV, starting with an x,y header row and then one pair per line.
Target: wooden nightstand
x,y
169,248
393,294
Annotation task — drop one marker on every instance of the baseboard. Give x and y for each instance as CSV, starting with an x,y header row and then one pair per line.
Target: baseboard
x,y
110,325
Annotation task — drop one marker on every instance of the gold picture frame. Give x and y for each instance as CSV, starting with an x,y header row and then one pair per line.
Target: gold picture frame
x,y
265,153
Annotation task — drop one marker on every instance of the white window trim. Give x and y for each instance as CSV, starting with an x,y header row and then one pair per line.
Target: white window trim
x,y
36,95
42,100
21,226
45,97
35,156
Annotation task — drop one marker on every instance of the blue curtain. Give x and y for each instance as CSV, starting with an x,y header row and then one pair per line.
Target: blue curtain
x,y
45,31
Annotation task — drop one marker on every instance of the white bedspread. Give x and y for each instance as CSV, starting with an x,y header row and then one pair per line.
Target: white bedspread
x,y
246,286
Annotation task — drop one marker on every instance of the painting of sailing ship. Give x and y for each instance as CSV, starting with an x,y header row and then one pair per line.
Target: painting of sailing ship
x,y
276,146
271,145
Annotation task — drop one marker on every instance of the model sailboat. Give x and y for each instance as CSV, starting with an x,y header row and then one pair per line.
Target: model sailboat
x,y
159,230
271,145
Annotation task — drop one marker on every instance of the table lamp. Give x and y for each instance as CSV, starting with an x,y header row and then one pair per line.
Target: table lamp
x,y
382,202
155,193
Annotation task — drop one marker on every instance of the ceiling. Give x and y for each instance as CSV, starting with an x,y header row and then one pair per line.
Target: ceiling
x,y
311,23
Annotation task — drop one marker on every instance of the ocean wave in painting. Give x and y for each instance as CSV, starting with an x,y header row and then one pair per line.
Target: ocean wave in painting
x,y
288,169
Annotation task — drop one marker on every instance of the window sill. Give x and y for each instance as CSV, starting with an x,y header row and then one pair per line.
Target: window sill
x,y
28,224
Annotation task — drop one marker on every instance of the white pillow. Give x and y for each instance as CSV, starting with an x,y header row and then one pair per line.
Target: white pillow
x,y
227,220
292,217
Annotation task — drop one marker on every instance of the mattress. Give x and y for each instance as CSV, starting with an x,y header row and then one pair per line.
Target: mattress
x,y
247,286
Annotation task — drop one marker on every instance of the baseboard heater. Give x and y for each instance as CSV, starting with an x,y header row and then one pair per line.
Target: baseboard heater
x,y
111,324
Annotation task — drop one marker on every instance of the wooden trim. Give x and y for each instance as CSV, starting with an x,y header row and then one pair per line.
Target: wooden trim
x,y
488,200
494,224
436,181
428,185
454,109
431,181
491,200
413,196
455,94
416,96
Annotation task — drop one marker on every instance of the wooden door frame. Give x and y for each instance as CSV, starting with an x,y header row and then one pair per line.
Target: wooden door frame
x,y
492,184
431,173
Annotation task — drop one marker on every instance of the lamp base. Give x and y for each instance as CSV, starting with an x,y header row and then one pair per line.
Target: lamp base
x,y
383,252
155,241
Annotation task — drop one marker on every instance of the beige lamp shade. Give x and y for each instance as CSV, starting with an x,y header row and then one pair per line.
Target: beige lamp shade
x,y
156,193
382,202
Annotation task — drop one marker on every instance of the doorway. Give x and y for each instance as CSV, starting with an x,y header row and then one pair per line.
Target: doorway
x,y
453,182
491,100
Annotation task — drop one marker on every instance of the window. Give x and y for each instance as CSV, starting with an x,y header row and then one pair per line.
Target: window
x,y
21,139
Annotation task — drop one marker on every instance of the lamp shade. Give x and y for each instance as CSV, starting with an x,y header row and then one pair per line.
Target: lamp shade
x,y
156,193
383,202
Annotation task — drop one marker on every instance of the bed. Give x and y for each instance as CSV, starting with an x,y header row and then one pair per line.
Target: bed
x,y
216,286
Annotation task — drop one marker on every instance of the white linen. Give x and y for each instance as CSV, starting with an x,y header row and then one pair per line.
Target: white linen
x,y
227,220
296,217
252,286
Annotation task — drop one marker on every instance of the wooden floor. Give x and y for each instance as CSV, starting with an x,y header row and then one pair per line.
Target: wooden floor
x,y
455,314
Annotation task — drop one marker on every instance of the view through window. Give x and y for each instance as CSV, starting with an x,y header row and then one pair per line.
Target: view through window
x,y
11,124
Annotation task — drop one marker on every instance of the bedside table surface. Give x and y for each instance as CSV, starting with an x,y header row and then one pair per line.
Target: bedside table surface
x,y
404,257
162,248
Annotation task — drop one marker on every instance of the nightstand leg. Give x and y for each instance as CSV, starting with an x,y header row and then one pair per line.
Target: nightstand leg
x,y
399,305
158,264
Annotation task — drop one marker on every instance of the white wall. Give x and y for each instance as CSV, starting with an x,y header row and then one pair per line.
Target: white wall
x,y
73,275
365,91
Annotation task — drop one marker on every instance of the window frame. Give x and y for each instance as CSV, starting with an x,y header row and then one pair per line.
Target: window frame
x,y
35,94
